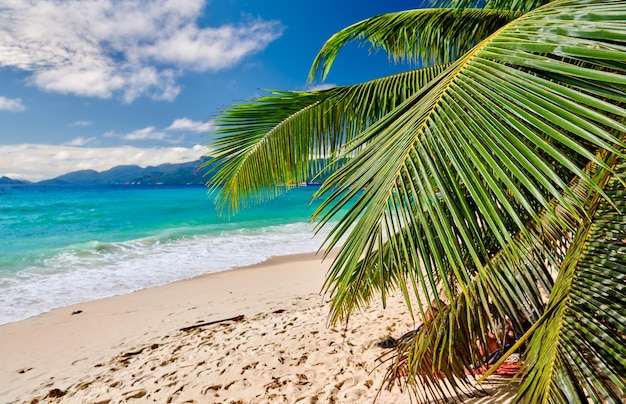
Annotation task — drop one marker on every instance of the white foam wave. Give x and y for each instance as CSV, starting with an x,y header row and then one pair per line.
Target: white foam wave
x,y
104,269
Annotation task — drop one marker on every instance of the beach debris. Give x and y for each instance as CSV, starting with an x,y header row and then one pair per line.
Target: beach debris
x,y
302,379
133,353
274,384
22,371
302,359
76,312
191,327
56,393
137,352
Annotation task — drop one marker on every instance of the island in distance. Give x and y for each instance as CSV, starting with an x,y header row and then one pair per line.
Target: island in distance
x,y
189,173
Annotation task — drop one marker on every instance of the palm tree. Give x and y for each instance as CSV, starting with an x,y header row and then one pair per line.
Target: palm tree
x,y
491,179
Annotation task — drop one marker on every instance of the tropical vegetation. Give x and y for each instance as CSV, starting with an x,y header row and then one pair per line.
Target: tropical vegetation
x,y
489,182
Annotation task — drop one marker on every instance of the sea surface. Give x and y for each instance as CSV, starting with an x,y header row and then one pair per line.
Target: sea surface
x,y
66,245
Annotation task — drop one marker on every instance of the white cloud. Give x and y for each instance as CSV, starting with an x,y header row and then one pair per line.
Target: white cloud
x,y
36,162
81,141
165,135
130,48
210,49
186,124
11,104
148,133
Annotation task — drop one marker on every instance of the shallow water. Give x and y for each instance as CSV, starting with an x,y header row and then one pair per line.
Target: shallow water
x,y
65,245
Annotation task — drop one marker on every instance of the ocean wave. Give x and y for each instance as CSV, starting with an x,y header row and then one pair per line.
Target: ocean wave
x,y
97,269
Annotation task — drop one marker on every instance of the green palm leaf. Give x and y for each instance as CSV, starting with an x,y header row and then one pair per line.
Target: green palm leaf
x,y
480,150
460,182
425,36
518,5
508,286
458,169
578,352
269,143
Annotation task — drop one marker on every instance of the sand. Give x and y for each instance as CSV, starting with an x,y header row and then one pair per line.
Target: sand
x,y
131,348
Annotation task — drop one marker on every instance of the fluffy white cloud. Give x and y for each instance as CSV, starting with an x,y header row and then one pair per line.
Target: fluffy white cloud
x,y
148,133
180,125
99,48
186,124
38,162
11,104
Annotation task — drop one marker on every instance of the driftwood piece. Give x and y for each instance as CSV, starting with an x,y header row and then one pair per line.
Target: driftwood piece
x,y
191,327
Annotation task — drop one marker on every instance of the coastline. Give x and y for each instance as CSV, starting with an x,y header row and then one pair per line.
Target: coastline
x,y
131,347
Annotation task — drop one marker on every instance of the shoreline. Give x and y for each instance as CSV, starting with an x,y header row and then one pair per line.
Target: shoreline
x,y
62,247
131,347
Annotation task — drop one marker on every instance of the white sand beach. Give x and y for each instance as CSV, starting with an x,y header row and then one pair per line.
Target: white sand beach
x,y
130,348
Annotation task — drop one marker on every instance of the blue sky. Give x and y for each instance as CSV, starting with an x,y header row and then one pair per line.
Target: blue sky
x,y
99,83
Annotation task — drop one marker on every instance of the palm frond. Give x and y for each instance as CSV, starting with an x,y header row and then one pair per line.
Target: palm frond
x,y
509,286
460,182
578,353
393,266
517,5
277,141
464,167
425,37
484,148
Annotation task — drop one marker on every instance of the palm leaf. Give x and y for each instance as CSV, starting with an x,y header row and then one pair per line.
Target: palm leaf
x,y
483,148
453,171
425,37
517,5
510,285
462,185
578,352
269,143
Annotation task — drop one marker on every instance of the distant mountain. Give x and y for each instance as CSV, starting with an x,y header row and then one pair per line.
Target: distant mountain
x,y
9,181
164,174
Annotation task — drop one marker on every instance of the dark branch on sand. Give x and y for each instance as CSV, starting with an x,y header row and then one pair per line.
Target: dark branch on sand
x,y
191,327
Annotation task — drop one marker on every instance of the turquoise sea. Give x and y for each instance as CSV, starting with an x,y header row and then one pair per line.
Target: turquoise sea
x,y
66,245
